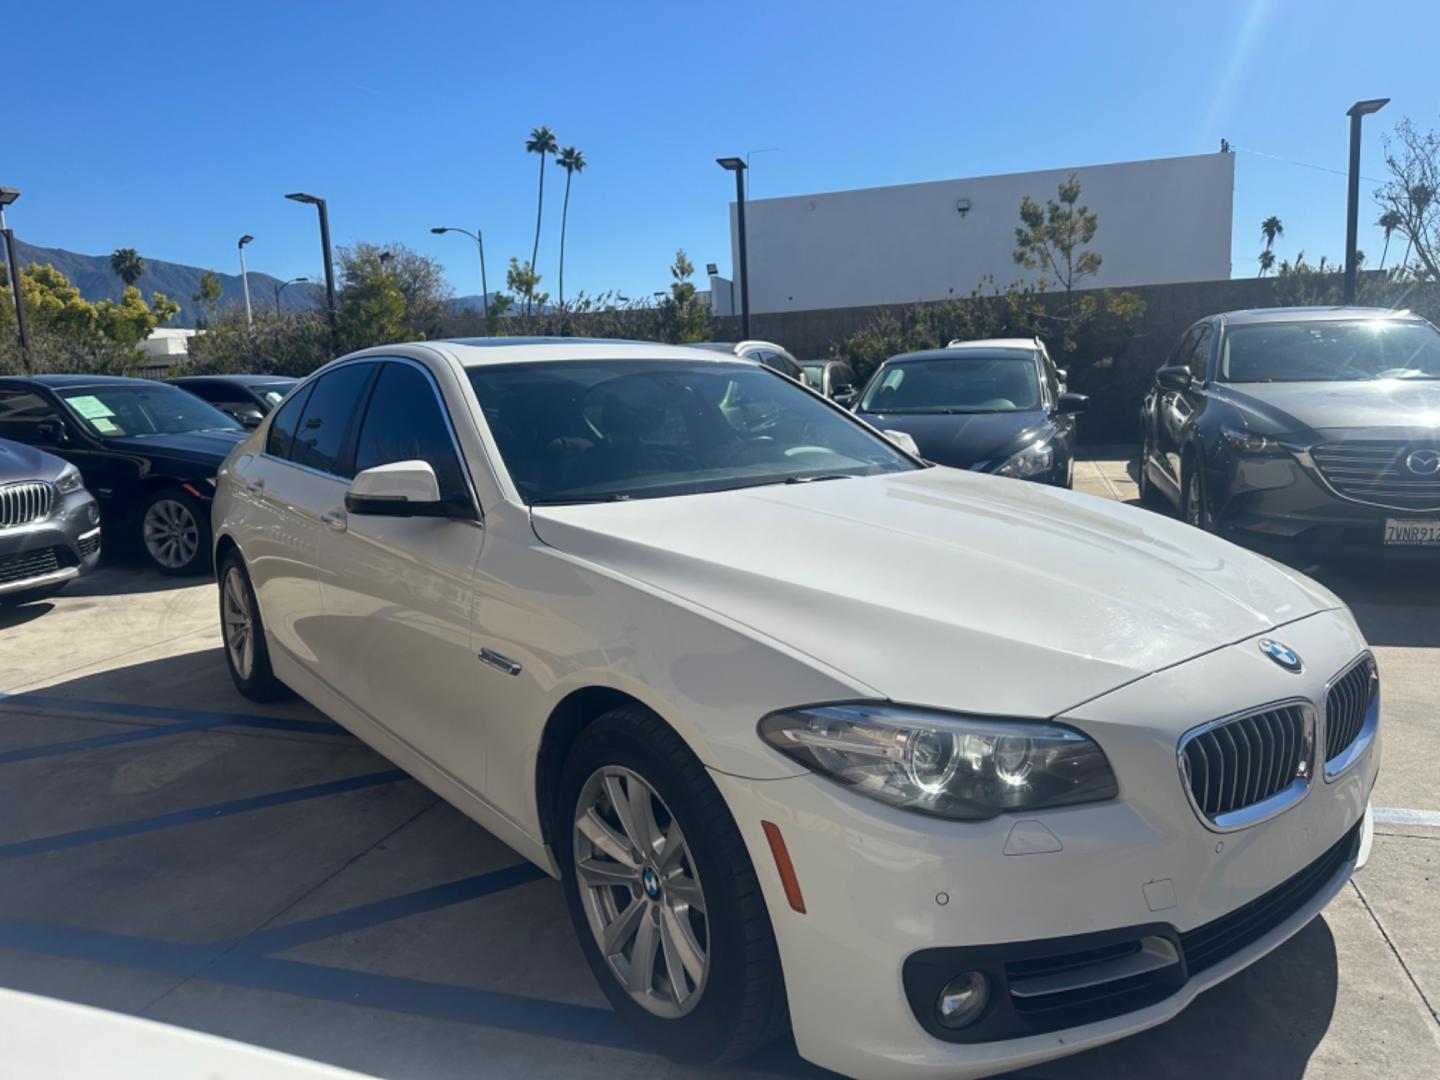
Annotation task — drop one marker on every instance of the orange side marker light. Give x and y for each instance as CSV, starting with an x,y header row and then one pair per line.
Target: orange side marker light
x,y
784,866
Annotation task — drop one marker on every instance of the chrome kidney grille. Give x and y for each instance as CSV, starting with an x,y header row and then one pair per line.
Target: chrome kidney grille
x,y
21,504
1352,713
1242,769
1397,475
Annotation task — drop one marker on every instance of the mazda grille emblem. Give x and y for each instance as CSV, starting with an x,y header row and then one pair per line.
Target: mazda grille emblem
x,y
1423,462
1281,654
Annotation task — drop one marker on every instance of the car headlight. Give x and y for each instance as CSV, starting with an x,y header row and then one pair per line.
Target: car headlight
x,y
1247,442
69,481
1034,459
965,768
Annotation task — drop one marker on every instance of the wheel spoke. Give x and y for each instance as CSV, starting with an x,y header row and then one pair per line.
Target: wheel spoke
x,y
681,951
598,873
671,849
624,805
594,829
642,957
619,932
686,891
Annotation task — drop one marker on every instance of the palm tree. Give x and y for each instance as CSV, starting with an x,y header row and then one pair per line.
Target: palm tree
x,y
1267,261
1390,220
1271,230
127,265
572,161
542,142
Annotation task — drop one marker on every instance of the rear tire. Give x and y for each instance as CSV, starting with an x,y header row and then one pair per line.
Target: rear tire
x,y
174,533
246,654
731,1000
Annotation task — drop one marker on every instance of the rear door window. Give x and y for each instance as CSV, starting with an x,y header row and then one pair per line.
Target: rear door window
x,y
21,414
329,417
282,428
406,422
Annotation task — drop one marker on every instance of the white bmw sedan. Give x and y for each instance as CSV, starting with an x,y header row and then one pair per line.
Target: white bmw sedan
x,y
949,774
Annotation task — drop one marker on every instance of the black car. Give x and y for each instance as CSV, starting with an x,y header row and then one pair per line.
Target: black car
x,y
992,408
247,398
49,524
148,451
1300,430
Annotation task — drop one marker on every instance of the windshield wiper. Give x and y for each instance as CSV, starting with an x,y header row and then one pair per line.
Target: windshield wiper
x,y
817,479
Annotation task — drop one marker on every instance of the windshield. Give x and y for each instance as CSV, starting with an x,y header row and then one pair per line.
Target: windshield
x,y
124,409
1330,351
974,384
591,431
273,393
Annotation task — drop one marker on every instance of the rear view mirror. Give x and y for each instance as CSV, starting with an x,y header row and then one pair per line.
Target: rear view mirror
x,y
53,432
403,489
1174,378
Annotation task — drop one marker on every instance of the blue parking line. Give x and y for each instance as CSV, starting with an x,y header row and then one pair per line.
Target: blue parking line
x,y
280,938
164,712
102,947
96,742
81,837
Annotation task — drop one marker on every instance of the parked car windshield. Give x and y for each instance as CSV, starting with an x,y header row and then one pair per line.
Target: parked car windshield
x,y
973,384
1330,351
118,410
592,431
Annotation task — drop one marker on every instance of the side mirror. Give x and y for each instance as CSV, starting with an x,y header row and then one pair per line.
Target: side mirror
x,y
247,417
1177,377
403,489
53,432
1063,374
1071,404
903,440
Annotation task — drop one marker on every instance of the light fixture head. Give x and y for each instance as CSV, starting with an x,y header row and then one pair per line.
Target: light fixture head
x,y
438,229
732,164
1368,106
300,196
8,195
245,240
711,269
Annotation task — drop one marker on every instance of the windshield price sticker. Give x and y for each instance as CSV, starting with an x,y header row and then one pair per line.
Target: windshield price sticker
x,y
90,407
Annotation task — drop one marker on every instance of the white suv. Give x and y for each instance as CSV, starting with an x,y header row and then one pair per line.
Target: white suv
x,y
950,774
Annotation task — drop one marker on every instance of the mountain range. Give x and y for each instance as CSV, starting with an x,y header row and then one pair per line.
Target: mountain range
x,y
91,274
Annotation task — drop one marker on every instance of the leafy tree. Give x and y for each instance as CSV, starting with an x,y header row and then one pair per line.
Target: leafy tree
x,y
127,265
542,142
1413,158
1390,220
572,161
685,316
1271,229
419,279
371,307
1051,239
289,343
208,296
522,280
1267,261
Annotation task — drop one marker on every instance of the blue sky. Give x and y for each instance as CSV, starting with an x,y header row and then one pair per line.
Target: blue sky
x,y
174,128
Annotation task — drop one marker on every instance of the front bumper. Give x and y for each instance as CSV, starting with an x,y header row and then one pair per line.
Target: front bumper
x,y
1281,505
887,892
54,550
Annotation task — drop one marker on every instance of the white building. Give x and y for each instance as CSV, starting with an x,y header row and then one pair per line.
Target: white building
x,y
1160,221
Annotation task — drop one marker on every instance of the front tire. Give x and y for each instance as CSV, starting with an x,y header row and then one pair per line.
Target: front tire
x,y
663,895
1194,504
243,634
175,532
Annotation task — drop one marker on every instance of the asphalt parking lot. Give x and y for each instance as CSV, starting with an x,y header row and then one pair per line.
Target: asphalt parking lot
x,y
171,850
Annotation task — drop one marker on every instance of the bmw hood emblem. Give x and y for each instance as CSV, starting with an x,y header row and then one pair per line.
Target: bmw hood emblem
x,y
1283,655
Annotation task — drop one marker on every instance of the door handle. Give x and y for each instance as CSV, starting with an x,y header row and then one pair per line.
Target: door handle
x,y
335,519
255,487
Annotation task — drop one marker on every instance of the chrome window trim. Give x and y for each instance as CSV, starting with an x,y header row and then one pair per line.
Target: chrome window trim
x,y
1333,770
1291,795
471,490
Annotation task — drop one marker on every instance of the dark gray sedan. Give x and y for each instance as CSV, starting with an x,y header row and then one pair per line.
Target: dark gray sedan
x,y
49,524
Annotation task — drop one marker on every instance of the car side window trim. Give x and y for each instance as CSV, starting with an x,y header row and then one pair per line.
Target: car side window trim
x,y
470,488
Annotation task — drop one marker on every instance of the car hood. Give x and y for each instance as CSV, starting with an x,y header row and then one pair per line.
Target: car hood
x,y
21,462
965,440
199,447
948,588
1290,408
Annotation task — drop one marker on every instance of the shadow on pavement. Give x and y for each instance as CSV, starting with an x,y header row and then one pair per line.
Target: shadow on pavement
x,y
18,616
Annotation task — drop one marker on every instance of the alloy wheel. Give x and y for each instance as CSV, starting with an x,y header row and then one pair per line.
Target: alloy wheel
x,y
171,533
1194,503
237,624
641,893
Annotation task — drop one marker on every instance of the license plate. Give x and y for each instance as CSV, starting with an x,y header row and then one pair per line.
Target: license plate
x,y
1412,532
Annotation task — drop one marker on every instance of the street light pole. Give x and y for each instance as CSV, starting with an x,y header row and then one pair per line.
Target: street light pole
x,y
319,205
282,287
245,281
1352,210
479,237
737,166
7,196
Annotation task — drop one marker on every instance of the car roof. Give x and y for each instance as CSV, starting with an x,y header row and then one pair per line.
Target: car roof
x,y
1249,316
241,380
475,352
58,381
996,343
949,353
